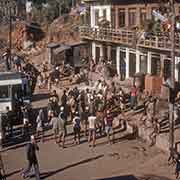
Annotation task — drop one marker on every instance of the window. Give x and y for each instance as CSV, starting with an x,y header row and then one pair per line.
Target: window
x,y
113,56
96,17
113,21
142,16
132,17
4,92
121,15
104,13
143,64
156,64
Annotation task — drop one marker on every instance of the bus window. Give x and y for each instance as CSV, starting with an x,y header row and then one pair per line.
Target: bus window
x,y
4,92
17,91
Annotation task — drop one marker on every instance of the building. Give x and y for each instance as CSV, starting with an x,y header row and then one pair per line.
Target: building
x,y
123,44
17,9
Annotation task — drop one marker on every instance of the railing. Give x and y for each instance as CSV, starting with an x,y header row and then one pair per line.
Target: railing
x,y
107,34
128,38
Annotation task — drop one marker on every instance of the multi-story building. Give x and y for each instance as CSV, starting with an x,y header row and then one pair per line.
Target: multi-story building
x,y
121,43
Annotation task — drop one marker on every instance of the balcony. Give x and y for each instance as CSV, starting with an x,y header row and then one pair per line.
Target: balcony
x,y
128,38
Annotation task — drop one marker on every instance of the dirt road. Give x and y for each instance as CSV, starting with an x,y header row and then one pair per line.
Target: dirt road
x,y
127,159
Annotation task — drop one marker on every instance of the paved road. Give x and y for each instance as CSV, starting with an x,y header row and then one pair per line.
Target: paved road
x,y
127,159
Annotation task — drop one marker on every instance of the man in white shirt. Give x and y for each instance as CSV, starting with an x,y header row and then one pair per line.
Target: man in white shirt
x,y
92,129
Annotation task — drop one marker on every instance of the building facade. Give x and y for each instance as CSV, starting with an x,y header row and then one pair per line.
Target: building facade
x,y
126,46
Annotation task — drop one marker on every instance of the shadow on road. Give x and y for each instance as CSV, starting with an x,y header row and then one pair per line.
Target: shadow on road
x,y
39,97
132,177
12,173
48,174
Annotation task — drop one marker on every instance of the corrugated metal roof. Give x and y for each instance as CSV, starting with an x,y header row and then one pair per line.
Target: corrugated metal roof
x,y
61,49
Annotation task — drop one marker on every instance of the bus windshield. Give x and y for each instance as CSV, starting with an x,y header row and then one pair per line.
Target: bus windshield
x,y
4,92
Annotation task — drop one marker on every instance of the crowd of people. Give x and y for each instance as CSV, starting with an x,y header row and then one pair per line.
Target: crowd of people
x,y
89,111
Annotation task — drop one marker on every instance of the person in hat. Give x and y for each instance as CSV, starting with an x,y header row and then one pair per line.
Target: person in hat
x,y
31,149
76,128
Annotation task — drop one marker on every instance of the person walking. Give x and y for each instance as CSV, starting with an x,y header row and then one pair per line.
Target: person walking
x,y
40,125
55,126
62,127
109,126
25,130
84,120
2,170
92,129
76,128
133,97
32,147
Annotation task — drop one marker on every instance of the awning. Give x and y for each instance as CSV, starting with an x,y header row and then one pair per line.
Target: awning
x,y
61,49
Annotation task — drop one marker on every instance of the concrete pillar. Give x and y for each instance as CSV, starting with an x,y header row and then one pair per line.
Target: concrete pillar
x,y
109,53
126,17
138,62
148,10
138,18
127,63
108,14
101,12
101,51
94,50
149,56
118,60
177,60
50,55
92,15
116,18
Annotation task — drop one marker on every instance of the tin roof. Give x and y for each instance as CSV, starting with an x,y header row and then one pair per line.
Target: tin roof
x,y
61,49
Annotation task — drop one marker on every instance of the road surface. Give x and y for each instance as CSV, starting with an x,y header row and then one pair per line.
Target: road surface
x,y
127,159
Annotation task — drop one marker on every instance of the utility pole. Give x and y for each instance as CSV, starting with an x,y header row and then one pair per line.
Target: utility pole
x,y
10,35
171,103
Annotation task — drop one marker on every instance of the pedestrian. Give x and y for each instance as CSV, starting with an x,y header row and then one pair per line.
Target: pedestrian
x,y
84,120
9,119
76,128
92,129
32,147
50,109
109,126
177,166
155,131
17,62
55,126
25,130
133,97
40,81
2,170
40,125
64,99
62,127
